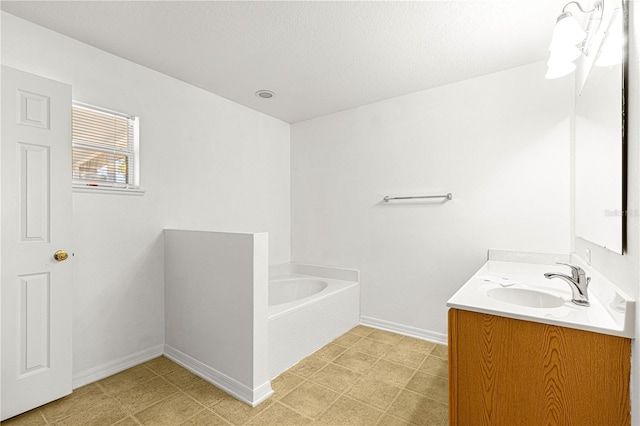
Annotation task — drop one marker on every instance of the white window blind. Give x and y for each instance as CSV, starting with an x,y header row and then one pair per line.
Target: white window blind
x,y
104,148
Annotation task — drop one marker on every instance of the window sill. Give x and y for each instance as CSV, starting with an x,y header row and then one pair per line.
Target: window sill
x,y
79,188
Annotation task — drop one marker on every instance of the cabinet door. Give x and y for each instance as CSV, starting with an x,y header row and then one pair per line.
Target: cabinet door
x,y
36,222
510,372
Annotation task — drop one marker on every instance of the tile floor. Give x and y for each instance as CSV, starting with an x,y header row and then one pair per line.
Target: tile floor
x,y
365,377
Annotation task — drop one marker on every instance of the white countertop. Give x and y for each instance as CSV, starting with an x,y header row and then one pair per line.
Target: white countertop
x,y
611,311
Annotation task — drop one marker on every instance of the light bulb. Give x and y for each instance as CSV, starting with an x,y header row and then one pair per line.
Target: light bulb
x,y
559,69
567,32
566,53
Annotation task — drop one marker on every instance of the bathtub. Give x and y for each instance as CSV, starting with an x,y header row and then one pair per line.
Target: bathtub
x,y
292,289
308,311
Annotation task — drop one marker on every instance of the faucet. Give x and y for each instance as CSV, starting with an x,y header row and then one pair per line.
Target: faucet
x,y
578,281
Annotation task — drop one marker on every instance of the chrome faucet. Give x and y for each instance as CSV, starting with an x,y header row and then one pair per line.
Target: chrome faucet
x,y
578,281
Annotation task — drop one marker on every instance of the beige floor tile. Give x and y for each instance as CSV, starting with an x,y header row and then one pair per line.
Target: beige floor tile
x,y
310,399
206,418
416,345
391,373
374,392
440,351
128,421
361,330
388,420
445,420
146,394
335,377
356,361
436,366
372,347
285,383
430,386
182,378
347,340
418,409
346,411
385,336
105,412
205,393
329,352
162,365
80,401
278,414
308,366
126,380
169,412
409,358
30,418
352,380
236,411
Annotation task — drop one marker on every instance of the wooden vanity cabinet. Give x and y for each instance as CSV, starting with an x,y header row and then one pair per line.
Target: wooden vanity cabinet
x,y
509,372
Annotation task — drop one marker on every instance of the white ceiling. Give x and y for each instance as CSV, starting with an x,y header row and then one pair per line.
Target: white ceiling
x,y
318,56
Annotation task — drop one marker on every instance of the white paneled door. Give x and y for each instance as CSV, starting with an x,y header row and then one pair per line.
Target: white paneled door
x,y
36,232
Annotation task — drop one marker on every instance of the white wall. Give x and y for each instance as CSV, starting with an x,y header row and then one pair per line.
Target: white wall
x,y
216,288
206,163
499,143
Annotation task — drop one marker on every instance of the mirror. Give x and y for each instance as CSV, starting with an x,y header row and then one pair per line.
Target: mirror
x,y
600,146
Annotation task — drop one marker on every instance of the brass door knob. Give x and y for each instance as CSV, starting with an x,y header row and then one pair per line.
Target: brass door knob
x,y
60,255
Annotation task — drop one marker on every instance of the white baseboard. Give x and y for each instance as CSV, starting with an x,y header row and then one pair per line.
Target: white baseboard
x,y
242,392
251,396
405,330
102,371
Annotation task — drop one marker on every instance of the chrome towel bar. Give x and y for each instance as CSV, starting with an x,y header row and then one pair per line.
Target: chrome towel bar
x,y
448,196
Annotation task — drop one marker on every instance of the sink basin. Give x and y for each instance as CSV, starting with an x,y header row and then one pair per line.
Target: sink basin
x,y
526,297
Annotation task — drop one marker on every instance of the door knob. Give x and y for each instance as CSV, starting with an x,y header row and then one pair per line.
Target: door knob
x,y
60,255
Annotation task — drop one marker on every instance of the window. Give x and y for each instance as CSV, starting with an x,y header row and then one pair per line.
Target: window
x,y
105,149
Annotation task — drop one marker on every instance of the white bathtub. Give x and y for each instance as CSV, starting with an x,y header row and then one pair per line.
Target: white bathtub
x,y
285,290
307,312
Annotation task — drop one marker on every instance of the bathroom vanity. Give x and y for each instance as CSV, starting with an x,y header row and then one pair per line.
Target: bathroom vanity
x,y
520,352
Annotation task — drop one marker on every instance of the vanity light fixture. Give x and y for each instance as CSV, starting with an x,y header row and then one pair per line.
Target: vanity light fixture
x,y
569,41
